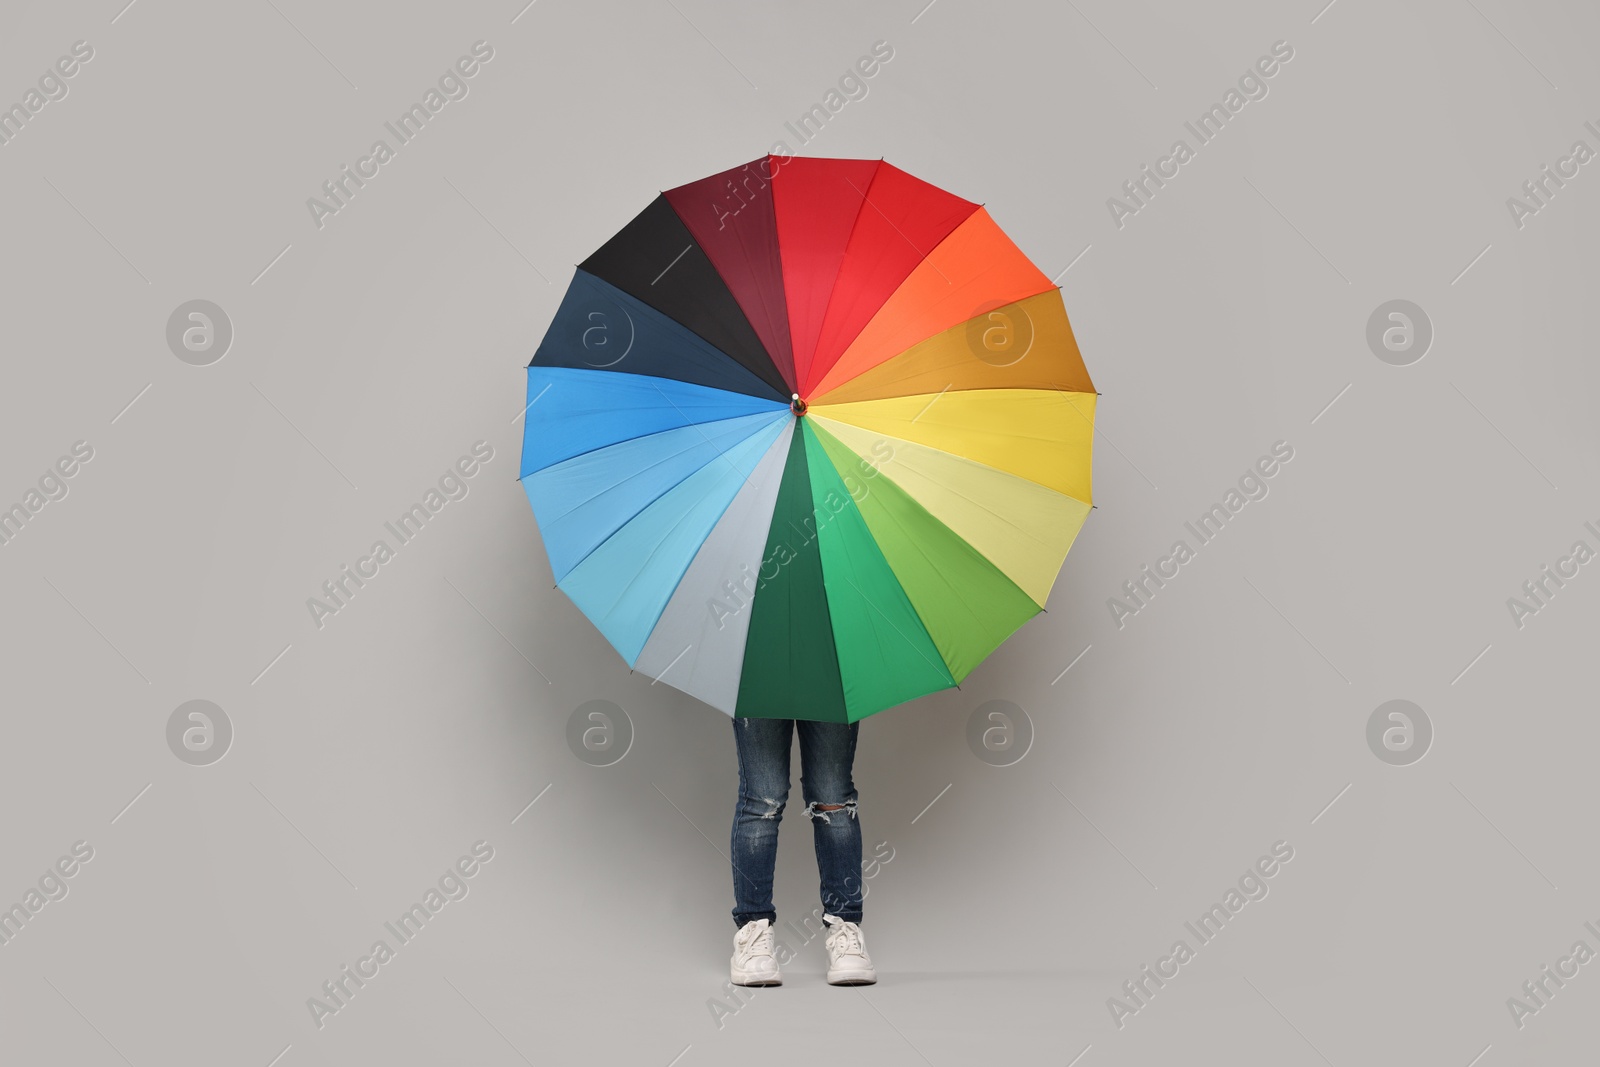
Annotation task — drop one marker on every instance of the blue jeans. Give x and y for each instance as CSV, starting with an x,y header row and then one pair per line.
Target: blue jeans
x,y
827,751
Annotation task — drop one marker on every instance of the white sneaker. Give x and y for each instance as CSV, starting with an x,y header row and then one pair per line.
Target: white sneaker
x,y
848,962
753,962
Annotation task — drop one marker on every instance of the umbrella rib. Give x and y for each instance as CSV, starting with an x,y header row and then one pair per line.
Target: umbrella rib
x,y
889,517
654,464
877,640
965,459
926,559
865,199
890,372
987,510
892,626
596,547
926,257
916,544
674,262
654,552
687,422
812,355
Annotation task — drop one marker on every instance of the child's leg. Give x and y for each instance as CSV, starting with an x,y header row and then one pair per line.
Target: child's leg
x,y
827,754
763,746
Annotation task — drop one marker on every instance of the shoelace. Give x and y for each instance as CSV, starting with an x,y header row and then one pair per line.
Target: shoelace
x,y
846,939
759,944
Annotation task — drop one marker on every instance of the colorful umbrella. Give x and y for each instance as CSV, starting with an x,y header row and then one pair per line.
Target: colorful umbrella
x,y
808,438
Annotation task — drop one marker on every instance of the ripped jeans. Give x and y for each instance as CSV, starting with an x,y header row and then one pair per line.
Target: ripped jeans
x,y
827,751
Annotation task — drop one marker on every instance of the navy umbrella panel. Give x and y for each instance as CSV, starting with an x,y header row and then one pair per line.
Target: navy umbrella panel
x,y
601,327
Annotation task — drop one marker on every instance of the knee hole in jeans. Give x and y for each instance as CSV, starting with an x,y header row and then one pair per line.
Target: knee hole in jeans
x,y
818,810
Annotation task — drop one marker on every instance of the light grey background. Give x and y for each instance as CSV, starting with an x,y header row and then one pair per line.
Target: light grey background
x,y
1229,714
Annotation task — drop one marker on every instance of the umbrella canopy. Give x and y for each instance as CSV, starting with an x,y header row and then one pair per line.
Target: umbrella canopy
x,y
808,438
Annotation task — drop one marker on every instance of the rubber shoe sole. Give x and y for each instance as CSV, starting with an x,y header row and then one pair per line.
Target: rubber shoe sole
x,y
756,978
853,977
